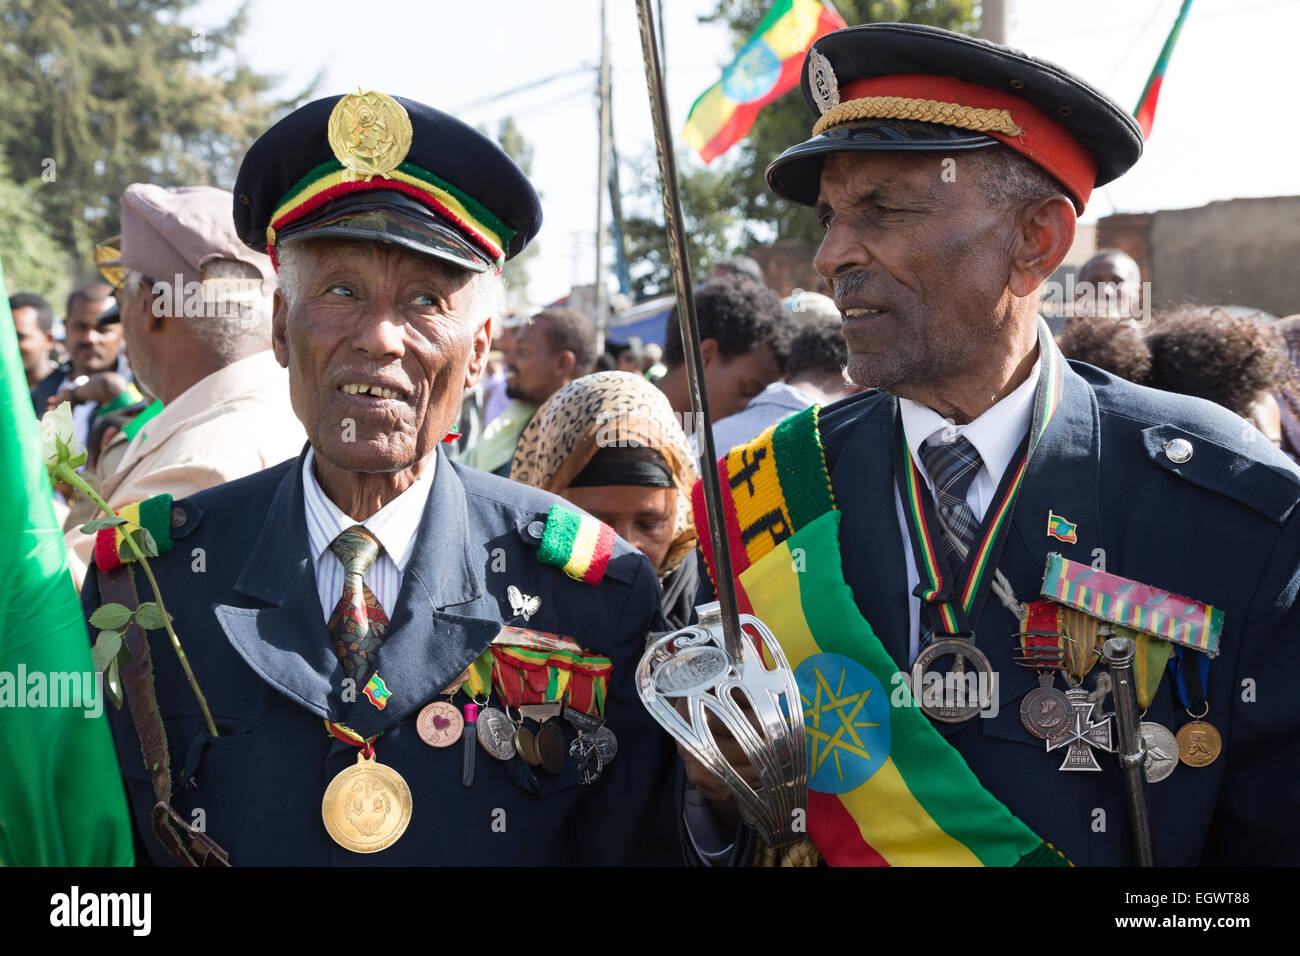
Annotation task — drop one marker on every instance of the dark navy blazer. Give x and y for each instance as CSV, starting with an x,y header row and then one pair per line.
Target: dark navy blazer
x,y
1222,528
250,621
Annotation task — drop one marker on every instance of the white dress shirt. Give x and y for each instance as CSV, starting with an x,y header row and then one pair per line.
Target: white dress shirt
x,y
394,525
996,435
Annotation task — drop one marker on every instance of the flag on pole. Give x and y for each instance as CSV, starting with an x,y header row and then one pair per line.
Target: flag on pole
x,y
766,68
61,797
1145,113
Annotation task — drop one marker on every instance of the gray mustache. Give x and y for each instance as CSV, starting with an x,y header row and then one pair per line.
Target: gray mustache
x,y
850,283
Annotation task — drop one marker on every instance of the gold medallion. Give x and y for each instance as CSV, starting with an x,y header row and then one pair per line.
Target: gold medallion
x,y
367,807
370,133
1199,744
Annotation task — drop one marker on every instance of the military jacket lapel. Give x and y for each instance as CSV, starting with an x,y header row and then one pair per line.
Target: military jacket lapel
x,y
285,644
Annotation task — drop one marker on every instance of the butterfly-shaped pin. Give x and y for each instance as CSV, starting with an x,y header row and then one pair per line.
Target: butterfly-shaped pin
x,y
521,604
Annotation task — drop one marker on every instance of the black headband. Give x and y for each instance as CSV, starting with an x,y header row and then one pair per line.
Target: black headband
x,y
643,467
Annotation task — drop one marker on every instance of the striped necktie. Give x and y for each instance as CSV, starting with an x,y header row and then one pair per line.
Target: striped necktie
x,y
952,466
358,622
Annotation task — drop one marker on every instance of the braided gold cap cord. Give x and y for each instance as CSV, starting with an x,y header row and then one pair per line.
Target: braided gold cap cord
x,y
926,111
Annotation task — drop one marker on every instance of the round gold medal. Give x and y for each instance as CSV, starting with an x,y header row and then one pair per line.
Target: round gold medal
x,y
1199,744
367,806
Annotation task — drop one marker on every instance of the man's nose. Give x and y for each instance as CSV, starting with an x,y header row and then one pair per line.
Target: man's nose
x,y
379,334
841,251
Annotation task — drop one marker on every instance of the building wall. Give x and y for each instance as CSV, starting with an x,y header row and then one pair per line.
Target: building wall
x,y
1233,252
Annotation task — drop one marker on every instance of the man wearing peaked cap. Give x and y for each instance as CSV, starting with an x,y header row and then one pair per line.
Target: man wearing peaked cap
x,y
947,173
407,661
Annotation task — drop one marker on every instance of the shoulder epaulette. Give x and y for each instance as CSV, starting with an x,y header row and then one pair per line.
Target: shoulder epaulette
x,y
577,544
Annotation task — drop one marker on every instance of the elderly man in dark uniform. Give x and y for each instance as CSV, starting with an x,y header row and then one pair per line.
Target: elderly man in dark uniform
x,y
947,173
406,661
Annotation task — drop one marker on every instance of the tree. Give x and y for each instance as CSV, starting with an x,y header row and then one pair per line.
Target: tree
x,y
32,258
708,208
510,139
789,121
100,95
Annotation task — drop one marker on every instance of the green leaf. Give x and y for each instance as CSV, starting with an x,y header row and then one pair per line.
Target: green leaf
x,y
106,647
111,617
150,616
113,685
99,524
143,540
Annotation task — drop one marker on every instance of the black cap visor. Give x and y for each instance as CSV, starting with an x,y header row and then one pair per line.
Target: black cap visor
x,y
796,174
388,216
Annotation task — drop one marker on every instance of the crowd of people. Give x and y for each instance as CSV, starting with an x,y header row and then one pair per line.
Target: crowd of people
x,y
412,499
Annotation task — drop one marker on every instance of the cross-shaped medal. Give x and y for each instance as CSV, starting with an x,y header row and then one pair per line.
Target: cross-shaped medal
x,y
1082,735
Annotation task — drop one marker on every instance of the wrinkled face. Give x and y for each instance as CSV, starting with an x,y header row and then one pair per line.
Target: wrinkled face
x,y
136,300
534,370
919,266
34,343
731,383
91,347
379,343
644,517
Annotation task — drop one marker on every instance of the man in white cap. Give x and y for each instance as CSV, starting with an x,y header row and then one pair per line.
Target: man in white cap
x,y
196,319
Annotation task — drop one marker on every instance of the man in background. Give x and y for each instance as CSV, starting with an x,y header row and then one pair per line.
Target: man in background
x,y
814,373
1109,284
550,351
34,323
200,343
740,341
94,340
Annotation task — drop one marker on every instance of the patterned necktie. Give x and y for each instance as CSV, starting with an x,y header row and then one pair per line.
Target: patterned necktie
x,y
358,622
952,466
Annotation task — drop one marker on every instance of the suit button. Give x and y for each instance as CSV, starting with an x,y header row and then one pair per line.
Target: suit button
x,y
536,529
1178,450
179,517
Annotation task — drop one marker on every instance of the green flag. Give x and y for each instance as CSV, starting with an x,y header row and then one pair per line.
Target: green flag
x,y
61,797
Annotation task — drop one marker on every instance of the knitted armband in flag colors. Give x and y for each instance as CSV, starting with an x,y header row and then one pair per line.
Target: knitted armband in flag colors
x,y
577,544
771,487
153,514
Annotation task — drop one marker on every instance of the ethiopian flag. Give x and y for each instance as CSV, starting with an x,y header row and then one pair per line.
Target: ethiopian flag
x,y
61,797
885,787
765,69
1145,113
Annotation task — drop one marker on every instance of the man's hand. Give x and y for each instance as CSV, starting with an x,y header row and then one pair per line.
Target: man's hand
x,y
703,780
101,389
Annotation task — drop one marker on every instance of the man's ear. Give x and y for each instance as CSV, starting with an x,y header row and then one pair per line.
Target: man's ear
x,y
568,362
709,351
279,316
154,308
479,348
1044,234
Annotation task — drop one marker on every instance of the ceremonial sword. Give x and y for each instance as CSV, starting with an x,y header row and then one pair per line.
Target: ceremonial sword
x,y
711,663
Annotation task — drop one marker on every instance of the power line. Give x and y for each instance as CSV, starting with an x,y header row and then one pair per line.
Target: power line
x,y
483,101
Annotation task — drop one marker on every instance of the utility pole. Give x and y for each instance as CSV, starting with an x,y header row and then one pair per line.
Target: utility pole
x,y
602,181
994,15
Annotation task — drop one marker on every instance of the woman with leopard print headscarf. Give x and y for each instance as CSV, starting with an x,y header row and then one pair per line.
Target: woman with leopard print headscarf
x,y
611,444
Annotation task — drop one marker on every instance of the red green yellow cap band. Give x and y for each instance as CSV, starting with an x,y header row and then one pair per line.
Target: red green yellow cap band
x,y
331,179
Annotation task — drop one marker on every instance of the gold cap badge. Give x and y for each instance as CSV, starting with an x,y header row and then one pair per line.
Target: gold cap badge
x,y
370,133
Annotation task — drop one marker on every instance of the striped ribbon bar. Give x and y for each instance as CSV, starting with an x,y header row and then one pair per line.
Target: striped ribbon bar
x,y
1141,607
885,788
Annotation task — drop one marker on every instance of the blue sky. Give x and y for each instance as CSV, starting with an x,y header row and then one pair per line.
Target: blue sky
x,y
1222,128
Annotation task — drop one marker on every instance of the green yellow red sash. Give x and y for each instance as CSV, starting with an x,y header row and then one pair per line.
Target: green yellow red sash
x,y
885,788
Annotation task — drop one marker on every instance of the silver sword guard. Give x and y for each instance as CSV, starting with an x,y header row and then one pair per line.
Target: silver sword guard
x,y
693,664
